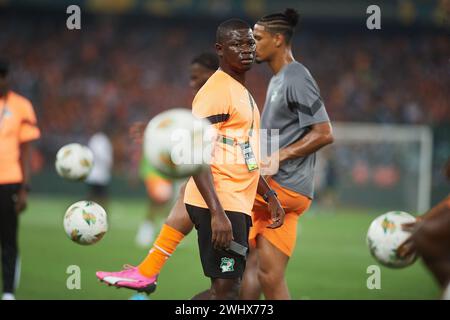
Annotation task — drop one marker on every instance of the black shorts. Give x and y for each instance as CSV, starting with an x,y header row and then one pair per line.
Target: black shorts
x,y
8,235
220,263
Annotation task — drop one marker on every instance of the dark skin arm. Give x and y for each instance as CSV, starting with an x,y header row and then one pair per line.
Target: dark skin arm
x,y
408,247
319,136
275,208
22,195
222,232
441,208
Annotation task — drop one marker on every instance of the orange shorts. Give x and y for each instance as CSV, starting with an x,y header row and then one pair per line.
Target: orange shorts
x,y
284,237
159,190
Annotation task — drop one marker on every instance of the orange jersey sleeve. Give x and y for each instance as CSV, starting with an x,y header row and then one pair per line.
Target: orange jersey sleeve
x,y
211,103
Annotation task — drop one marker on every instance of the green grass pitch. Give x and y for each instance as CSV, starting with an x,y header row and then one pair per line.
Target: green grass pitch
x,y
330,261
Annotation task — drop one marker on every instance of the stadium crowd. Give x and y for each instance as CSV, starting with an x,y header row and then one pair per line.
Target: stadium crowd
x,y
114,72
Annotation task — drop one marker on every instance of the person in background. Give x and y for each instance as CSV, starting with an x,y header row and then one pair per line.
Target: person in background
x,y
18,128
294,107
100,175
430,238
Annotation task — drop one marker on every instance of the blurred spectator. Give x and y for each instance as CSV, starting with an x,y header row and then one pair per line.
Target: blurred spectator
x,y
100,175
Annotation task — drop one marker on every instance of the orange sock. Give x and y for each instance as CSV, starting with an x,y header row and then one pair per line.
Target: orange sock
x,y
163,247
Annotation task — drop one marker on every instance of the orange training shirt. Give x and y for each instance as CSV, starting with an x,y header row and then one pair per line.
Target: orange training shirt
x,y
17,125
228,105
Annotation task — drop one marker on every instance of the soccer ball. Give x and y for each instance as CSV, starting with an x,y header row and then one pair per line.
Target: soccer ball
x,y
85,222
74,162
384,237
178,144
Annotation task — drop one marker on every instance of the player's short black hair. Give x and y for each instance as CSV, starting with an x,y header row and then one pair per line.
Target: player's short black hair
x,y
228,25
284,23
208,60
4,67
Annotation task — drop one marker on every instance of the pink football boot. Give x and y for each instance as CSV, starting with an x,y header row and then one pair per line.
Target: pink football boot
x,y
129,278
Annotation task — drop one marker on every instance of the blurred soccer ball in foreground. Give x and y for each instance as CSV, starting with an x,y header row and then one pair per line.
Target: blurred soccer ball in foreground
x,y
74,161
85,222
384,237
178,144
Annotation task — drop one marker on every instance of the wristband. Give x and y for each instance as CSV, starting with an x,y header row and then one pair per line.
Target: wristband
x,y
268,194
